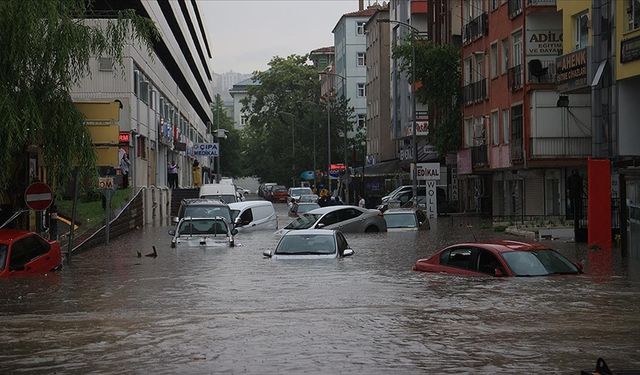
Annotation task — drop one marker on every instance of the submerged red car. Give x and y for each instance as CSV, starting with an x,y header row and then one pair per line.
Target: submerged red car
x,y
23,252
499,258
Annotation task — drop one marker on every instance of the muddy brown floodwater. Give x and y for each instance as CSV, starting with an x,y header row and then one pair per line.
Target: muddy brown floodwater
x,y
232,311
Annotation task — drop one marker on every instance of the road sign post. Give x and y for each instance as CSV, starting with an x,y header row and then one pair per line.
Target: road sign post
x,y
106,185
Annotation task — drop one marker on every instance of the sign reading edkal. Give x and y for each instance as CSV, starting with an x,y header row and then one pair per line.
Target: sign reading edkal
x,y
630,50
572,70
206,149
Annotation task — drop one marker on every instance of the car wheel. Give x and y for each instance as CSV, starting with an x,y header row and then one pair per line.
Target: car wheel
x,y
371,229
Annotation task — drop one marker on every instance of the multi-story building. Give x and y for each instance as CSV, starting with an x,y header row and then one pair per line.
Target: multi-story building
x,y
410,13
322,57
238,92
521,142
380,145
164,94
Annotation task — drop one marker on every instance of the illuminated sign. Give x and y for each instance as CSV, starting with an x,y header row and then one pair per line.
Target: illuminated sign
x,y
124,137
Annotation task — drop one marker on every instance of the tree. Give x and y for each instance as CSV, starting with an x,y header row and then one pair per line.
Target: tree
x,y
438,72
231,156
285,115
46,49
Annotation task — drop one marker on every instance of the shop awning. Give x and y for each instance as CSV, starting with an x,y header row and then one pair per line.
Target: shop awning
x,y
384,168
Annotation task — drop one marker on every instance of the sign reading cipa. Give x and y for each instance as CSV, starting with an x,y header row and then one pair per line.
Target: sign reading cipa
x,y
206,149
428,171
105,183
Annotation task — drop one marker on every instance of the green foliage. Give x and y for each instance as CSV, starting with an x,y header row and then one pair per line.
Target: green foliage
x,y
438,70
285,119
46,49
231,160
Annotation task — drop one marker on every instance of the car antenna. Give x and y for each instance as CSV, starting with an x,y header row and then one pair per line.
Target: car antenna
x,y
471,231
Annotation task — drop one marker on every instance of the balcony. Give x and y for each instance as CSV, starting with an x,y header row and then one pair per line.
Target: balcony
x,y
560,147
515,78
541,3
479,156
475,92
541,71
476,28
516,149
515,8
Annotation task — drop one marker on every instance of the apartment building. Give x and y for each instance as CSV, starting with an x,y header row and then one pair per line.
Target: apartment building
x,y
521,142
163,95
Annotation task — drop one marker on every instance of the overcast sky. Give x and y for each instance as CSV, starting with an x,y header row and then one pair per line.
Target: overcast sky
x,y
246,34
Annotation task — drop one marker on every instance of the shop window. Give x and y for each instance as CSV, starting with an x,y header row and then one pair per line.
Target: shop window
x,y
581,23
633,14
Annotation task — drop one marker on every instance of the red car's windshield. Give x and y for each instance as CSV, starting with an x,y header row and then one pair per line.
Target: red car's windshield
x,y
538,263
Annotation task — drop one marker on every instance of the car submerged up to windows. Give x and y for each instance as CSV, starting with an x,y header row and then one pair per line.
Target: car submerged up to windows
x,y
203,232
342,218
311,244
500,258
23,252
406,219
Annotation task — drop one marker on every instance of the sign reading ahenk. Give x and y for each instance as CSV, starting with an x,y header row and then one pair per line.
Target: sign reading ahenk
x,y
206,149
428,171
572,70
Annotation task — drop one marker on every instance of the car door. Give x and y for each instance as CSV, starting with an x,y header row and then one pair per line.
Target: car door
x,y
351,220
488,263
30,254
329,220
342,243
460,260
246,220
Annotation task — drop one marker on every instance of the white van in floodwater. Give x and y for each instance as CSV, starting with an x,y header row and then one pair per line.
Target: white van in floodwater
x,y
253,215
223,192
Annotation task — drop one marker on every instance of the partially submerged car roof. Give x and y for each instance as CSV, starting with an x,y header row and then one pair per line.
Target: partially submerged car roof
x,y
203,201
505,245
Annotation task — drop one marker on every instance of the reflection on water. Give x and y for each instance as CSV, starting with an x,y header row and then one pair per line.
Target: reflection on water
x,y
231,310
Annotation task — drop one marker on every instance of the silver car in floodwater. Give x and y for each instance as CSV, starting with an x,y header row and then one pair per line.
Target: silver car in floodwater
x,y
350,219
203,232
310,244
406,219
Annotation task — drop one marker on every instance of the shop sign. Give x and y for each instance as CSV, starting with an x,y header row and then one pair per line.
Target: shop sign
x,y
206,149
630,50
124,137
544,43
428,171
432,200
571,70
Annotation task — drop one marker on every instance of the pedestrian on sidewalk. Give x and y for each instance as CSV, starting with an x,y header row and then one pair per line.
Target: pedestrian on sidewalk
x,y
362,203
173,175
124,169
197,173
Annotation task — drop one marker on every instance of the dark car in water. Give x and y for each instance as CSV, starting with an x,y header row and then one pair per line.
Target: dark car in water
x,y
499,258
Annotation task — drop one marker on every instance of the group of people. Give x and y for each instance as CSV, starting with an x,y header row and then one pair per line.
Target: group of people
x,y
326,199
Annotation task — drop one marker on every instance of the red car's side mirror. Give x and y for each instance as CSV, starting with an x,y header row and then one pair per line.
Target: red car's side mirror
x,y
498,272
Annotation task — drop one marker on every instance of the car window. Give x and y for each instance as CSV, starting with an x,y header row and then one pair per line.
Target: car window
x,y
342,242
459,258
348,214
487,262
225,198
301,208
401,220
3,256
189,227
329,218
307,244
234,214
247,216
26,249
202,211
538,263
305,221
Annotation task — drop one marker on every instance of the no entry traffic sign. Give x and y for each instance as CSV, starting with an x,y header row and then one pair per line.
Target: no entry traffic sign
x,y
38,196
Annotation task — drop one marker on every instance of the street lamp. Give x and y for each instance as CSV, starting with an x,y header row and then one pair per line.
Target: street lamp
x,y
344,82
414,139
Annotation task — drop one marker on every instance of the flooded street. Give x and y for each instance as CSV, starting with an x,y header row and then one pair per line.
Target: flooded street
x,y
232,311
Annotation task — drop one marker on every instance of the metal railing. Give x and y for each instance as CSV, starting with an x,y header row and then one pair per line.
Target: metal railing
x,y
515,78
476,28
475,92
551,147
515,149
515,8
479,156
548,76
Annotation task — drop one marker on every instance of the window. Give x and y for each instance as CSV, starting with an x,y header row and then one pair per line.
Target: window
x,y
494,60
105,64
360,27
581,22
516,40
505,56
495,4
243,120
136,78
487,263
479,73
505,126
143,90
361,120
468,74
153,99
141,147
468,132
348,214
361,59
516,122
459,258
633,14
329,219
361,90
25,250
495,128
247,217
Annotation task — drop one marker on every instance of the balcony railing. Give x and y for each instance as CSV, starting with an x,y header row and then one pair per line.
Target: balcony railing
x,y
515,8
515,78
516,149
541,2
554,147
480,156
475,92
543,73
476,28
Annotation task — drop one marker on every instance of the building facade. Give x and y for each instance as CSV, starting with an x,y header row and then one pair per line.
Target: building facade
x,y
521,143
164,93
239,92
322,57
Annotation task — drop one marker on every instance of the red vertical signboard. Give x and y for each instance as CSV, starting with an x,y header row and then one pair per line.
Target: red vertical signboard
x,y
599,203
